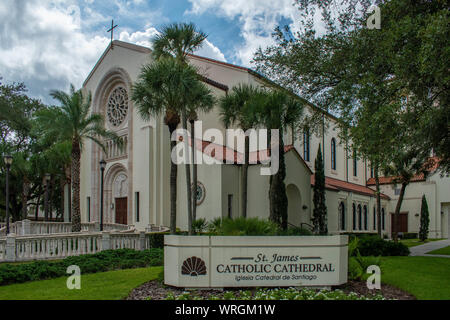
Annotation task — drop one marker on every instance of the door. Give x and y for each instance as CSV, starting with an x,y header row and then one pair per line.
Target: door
x,y
402,223
121,210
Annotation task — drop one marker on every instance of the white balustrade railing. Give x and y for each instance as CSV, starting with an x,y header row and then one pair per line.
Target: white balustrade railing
x,y
56,246
28,227
62,245
2,249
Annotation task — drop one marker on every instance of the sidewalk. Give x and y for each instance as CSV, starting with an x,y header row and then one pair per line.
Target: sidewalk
x,y
422,249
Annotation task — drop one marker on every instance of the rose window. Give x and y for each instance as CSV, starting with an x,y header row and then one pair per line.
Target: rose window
x,y
117,108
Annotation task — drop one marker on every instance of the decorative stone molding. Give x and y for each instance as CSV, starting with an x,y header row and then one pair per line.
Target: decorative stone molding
x,y
116,77
121,186
117,106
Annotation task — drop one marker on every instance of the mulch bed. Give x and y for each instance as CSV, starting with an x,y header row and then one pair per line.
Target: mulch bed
x,y
154,290
387,291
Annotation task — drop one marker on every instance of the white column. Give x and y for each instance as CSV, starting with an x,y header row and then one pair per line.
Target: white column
x,y
106,240
11,247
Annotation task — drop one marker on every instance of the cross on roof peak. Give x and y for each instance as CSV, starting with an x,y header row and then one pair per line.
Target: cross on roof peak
x,y
112,32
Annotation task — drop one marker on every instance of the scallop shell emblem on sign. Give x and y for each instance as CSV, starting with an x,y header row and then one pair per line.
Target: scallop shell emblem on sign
x,y
193,266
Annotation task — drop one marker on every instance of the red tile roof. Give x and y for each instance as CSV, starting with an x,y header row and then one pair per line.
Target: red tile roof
x,y
227,154
337,185
431,166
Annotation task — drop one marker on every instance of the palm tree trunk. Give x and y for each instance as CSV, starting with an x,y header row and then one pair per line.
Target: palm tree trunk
x,y
52,193
173,184
245,177
25,190
277,191
76,213
188,176
194,173
62,184
397,210
36,210
281,190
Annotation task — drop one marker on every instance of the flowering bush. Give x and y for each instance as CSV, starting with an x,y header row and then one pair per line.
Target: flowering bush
x,y
276,294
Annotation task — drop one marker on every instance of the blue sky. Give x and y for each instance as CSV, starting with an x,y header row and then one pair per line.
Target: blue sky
x,y
48,44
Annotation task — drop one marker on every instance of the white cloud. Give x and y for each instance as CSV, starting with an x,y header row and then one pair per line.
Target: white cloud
x,y
144,38
42,45
48,46
257,20
210,51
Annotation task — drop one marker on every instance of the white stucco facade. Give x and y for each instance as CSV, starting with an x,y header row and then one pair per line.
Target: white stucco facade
x,y
140,172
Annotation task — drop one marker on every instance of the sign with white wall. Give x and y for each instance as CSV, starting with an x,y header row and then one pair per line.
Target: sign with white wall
x,y
267,261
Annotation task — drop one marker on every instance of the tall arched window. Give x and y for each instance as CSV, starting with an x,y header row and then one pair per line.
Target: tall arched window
x,y
374,218
383,216
306,144
365,217
355,164
359,217
354,216
342,216
333,154
371,171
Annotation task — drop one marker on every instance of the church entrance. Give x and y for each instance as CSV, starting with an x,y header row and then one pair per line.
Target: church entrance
x,y
402,223
121,210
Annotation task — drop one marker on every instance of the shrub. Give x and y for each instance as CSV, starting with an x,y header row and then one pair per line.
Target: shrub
x,y
355,271
275,294
199,225
243,227
424,219
295,231
375,246
89,263
157,239
215,226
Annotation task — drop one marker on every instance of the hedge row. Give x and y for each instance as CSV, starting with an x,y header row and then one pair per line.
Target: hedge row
x,y
89,263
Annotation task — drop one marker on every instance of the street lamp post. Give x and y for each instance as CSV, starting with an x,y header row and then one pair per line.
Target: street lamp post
x,y
8,161
47,180
102,169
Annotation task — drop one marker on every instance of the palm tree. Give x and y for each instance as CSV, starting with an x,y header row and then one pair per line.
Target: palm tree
x,y
177,40
237,108
73,122
279,111
202,101
167,87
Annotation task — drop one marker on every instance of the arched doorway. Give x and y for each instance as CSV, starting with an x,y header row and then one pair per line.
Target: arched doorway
x,y
117,202
295,216
120,191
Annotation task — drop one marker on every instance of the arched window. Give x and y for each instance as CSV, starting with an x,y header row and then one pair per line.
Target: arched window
x,y
306,144
355,164
383,216
365,217
354,216
333,154
359,217
371,171
374,218
342,216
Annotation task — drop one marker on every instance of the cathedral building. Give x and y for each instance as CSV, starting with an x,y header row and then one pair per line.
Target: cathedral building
x,y
136,177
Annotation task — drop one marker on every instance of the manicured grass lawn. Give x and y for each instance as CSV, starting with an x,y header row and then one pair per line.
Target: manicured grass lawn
x,y
445,250
427,278
416,242
112,285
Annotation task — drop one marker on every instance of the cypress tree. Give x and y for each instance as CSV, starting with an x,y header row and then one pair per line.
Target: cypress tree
x,y
424,220
320,209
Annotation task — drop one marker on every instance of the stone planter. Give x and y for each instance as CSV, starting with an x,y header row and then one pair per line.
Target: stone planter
x,y
247,261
